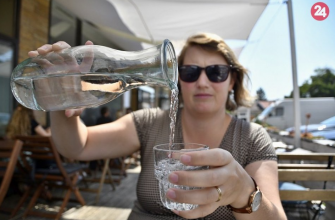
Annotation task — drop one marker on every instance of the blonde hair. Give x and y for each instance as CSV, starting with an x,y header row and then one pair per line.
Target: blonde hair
x,y
214,43
20,122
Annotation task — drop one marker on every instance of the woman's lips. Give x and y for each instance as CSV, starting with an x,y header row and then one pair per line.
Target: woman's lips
x,y
202,95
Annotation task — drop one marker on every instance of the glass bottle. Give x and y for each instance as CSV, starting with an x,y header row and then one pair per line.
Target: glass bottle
x,y
90,75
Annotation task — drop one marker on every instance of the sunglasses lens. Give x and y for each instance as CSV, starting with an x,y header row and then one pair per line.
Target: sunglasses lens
x,y
217,73
189,73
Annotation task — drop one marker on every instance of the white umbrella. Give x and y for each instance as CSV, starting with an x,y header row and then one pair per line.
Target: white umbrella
x,y
133,24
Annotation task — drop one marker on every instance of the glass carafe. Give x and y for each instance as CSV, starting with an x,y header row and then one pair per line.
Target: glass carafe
x,y
90,75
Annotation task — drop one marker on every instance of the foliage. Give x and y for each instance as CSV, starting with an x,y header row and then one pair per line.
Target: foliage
x,y
320,85
261,94
266,125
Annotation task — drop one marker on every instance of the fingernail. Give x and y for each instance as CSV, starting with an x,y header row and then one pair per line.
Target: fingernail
x,y
185,159
175,211
171,194
68,113
173,178
59,43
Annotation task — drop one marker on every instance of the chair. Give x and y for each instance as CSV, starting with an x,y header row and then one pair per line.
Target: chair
x,y
9,154
118,168
133,159
305,168
58,174
102,180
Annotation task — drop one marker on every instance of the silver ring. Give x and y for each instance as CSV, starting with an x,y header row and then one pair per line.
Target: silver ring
x,y
219,192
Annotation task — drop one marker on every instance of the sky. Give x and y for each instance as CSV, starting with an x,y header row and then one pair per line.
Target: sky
x,y
267,54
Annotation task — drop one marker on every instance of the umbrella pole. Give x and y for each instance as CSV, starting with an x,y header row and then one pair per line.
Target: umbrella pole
x,y
296,94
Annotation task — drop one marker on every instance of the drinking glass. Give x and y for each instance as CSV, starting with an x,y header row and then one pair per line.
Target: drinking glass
x,y
168,160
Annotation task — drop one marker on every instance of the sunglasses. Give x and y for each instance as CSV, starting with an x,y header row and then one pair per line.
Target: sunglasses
x,y
215,73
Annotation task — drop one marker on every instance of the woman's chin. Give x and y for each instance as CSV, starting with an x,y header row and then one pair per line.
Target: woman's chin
x,y
204,109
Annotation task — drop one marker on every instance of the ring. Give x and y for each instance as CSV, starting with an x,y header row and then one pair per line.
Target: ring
x,y
219,192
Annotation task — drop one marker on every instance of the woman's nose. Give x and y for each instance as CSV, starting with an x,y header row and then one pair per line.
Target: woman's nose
x,y
203,78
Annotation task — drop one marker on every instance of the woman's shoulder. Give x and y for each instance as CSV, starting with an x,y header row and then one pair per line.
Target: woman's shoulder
x,y
246,127
254,143
149,115
147,112
245,124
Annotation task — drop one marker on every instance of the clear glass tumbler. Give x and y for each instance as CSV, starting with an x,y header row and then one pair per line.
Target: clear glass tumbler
x,y
167,161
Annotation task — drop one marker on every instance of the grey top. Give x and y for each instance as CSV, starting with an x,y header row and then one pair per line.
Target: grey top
x,y
247,142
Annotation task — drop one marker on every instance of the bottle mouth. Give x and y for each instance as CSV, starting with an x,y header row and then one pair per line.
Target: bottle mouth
x,y
169,63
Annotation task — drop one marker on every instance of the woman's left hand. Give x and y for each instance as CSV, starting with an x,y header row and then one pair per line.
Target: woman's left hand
x,y
225,172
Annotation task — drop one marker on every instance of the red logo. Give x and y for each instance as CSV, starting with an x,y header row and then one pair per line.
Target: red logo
x,y
320,11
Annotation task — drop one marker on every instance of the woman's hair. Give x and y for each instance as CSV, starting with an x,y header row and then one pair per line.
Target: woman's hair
x,y
103,110
214,43
20,122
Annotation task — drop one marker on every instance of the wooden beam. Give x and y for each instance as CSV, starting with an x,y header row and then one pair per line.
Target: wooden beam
x,y
306,174
312,156
308,195
303,166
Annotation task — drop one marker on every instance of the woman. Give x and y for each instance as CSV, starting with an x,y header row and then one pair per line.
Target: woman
x,y
209,72
23,122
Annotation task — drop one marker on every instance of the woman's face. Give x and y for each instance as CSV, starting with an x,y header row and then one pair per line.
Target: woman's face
x,y
204,96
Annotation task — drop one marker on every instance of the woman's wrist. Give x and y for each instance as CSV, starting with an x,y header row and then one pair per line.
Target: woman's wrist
x,y
243,197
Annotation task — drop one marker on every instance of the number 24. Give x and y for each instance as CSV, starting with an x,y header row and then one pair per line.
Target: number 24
x,y
320,11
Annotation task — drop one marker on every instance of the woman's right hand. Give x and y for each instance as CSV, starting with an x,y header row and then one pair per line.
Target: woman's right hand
x,y
47,48
73,112
54,62
55,59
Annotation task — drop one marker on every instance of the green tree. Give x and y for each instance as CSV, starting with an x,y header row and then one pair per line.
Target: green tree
x,y
322,84
261,94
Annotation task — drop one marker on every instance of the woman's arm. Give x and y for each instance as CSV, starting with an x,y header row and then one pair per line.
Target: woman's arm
x,y
265,174
41,131
76,141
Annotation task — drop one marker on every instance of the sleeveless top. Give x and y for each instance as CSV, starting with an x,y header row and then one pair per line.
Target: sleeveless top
x,y
247,142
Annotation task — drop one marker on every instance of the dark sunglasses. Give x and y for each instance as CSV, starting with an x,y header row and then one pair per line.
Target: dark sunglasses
x,y
215,73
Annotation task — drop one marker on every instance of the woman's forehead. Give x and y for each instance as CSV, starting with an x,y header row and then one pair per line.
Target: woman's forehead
x,y
198,55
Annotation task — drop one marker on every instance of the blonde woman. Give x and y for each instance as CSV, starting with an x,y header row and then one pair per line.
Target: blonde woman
x,y
241,156
23,122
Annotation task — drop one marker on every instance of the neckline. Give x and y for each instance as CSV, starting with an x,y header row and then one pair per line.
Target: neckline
x,y
180,130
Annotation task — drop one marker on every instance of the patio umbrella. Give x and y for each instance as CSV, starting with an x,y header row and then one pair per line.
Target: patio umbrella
x,y
137,24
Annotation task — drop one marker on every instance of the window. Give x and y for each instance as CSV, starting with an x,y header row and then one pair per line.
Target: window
x,y
63,25
6,98
145,97
7,17
6,66
279,111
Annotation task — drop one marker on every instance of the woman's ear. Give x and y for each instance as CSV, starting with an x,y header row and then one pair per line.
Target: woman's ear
x,y
232,82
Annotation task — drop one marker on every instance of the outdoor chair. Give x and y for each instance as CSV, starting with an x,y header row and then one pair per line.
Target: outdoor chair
x,y
132,160
298,170
118,168
104,164
57,174
9,154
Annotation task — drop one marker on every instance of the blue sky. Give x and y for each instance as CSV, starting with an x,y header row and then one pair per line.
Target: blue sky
x,y
267,53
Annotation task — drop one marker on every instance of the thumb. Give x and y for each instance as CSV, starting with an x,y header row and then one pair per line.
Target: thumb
x,y
73,112
89,42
